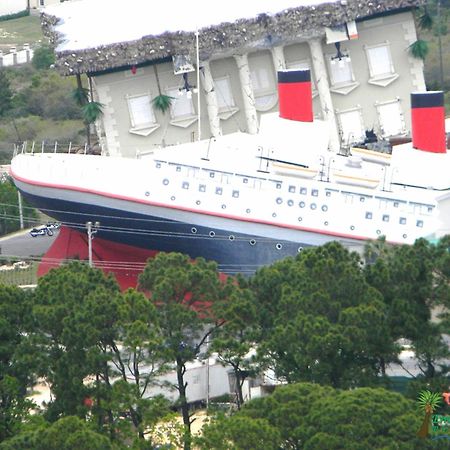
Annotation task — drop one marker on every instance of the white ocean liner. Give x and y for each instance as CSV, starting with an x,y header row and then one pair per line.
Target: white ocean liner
x,y
246,201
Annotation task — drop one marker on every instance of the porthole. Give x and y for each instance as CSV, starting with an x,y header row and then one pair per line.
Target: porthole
x,y
315,193
301,204
385,217
231,237
202,188
279,201
278,246
352,227
198,202
326,223
245,180
290,202
324,208
278,185
419,223
147,194
219,191
211,174
165,182
328,193
274,214
313,206
212,233
158,165
185,185
224,206
248,210
300,249
368,215
252,242
172,198
178,169
193,230
300,219
362,199
378,232
235,194
405,236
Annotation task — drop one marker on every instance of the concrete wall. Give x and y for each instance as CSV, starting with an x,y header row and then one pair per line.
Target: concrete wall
x,y
12,6
362,95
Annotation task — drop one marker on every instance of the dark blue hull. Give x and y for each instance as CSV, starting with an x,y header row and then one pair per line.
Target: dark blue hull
x,y
233,252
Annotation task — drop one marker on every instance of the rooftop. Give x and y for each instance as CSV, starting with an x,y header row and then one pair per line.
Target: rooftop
x,y
98,35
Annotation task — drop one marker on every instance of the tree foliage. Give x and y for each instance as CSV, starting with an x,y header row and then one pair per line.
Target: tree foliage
x,y
321,321
43,57
6,94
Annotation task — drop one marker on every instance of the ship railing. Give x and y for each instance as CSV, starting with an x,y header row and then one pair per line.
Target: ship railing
x,y
57,147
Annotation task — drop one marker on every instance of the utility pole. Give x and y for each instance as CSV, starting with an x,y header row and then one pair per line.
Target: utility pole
x,y
92,228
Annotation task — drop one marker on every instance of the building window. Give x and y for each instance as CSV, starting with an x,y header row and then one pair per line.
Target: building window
x,y
263,81
390,118
342,79
142,117
225,100
381,67
182,110
351,127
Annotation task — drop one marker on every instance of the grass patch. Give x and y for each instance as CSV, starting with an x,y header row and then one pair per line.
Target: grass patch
x,y
16,32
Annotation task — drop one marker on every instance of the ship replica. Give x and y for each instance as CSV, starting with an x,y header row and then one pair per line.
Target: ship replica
x,y
244,200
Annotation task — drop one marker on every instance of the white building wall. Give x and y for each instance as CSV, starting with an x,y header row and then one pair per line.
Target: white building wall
x,y
12,6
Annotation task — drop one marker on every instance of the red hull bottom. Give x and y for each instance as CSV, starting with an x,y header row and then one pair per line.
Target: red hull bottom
x,y
125,262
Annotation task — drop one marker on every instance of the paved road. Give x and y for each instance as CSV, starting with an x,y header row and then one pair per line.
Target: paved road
x,y
23,245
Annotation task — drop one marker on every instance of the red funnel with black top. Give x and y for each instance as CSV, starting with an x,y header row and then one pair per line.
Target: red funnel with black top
x,y
428,121
295,95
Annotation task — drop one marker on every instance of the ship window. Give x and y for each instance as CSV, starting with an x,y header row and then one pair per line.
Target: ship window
x,y
328,193
245,180
402,220
193,230
300,219
292,189
165,182
324,208
314,192
231,237
385,217
362,199
326,223
158,165
368,215
378,232
185,185
279,201
248,210
419,223
313,206
274,214
395,204
172,198
178,168
212,174
252,242
303,191
224,206
219,191
301,204
202,188
430,209
352,227
235,194
279,246
290,202
278,185
212,233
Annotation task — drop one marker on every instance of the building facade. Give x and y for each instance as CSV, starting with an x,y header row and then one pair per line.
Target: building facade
x,y
226,75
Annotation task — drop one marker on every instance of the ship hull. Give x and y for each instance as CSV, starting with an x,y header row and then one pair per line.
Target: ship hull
x,y
237,246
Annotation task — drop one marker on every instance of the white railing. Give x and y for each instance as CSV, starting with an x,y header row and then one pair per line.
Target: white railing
x,y
16,57
57,147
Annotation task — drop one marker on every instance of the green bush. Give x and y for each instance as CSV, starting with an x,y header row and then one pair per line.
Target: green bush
x,y
43,58
24,13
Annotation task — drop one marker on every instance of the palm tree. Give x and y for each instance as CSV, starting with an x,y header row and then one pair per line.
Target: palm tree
x,y
428,402
91,110
161,102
